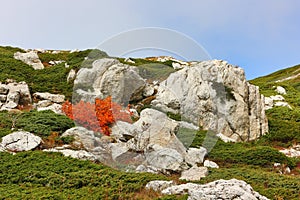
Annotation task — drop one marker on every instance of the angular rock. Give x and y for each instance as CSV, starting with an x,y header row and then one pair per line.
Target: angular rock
x,y
30,58
220,189
56,98
280,90
117,150
194,174
57,108
159,185
216,96
71,75
123,131
210,164
195,156
282,104
148,91
165,159
83,137
156,128
20,141
109,77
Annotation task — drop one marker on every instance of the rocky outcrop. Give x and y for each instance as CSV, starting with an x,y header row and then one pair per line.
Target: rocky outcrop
x,y
216,96
48,101
220,189
109,77
277,101
293,151
158,186
13,94
210,164
20,141
30,58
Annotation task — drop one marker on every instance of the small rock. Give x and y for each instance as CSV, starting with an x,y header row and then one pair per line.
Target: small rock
x,y
71,75
194,174
128,60
20,141
282,104
210,164
159,185
148,169
280,90
3,89
57,108
56,98
195,156
148,91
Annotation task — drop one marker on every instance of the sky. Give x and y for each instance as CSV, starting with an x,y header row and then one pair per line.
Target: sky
x,y
261,36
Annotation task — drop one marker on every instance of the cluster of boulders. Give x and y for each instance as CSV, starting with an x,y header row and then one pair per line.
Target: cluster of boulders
x,y
13,94
48,101
277,100
293,151
220,189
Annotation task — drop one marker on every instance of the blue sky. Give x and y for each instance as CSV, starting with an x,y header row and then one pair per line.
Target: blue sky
x,y
261,36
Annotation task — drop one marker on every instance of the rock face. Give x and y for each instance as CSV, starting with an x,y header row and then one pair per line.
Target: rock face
x,y
30,58
216,96
109,77
220,189
20,141
13,94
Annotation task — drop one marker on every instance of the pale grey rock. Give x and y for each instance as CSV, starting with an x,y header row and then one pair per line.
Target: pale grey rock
x,y
224,138
109,77
210,164
20,141
177,65
57,108
156,128
117,150
269,103
217,97
277,98
194,173
123,131
165,159
71,75
195,156
78,154
42,104
148,90
159,185
83,137
188,125
55,98
282,104
280,90
220,189
148,169
56,62
30,58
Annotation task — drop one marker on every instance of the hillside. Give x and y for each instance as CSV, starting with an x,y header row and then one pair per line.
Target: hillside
x,y
284,126
108,156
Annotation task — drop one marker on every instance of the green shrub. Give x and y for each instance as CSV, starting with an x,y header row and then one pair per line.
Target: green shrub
x,y
44,122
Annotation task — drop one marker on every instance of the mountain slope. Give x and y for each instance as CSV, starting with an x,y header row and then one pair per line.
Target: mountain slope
x,y
284,123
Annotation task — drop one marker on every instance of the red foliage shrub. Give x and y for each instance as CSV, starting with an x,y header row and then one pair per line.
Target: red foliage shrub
x,y
98,117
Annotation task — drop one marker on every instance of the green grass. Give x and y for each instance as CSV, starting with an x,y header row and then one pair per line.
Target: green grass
x,y
41,123
38,175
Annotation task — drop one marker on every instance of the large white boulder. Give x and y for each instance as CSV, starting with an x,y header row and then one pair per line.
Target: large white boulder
x,y
20,141
109,77
216,96
220,189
